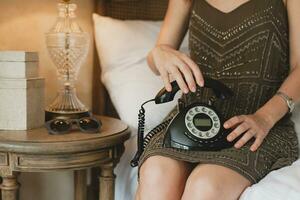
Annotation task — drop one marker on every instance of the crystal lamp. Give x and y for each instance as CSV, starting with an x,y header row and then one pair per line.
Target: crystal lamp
x,y
68,47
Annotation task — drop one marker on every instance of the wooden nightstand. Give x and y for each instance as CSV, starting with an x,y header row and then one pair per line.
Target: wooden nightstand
x,y
37,151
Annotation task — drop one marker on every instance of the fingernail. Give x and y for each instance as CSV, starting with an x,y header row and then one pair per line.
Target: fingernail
x,y
186,91
201,83
225,125
193,89
229,138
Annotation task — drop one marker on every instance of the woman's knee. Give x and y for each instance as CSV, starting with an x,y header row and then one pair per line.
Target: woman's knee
x,y
203,187
211,182
162,177
160,167
153,169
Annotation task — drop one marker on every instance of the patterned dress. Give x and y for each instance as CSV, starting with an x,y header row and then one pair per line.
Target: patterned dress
x,y
248,50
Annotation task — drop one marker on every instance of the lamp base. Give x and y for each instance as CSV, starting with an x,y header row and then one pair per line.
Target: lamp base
x,y
54,115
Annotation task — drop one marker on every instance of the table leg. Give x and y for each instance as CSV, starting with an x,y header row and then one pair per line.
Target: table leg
x,y
80,186
9,188
107,183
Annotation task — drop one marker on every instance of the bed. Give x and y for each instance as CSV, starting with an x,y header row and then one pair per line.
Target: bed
x,y
123,81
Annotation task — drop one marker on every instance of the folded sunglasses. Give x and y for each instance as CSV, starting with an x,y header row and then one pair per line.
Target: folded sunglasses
x,y
62,126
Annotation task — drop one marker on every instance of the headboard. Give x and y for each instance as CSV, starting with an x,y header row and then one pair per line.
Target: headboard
x,y
121,9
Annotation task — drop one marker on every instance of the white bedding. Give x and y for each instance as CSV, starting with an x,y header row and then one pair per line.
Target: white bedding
x,y
122,48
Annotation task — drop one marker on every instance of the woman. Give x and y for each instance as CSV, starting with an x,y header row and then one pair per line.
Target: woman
x,y
252,46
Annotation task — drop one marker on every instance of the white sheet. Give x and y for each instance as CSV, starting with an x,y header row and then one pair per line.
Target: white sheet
x,y
282,184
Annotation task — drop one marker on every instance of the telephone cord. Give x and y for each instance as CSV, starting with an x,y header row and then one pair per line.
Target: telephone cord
x,y
140,134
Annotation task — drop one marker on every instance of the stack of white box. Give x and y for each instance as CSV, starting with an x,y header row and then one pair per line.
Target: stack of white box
x,y
22,96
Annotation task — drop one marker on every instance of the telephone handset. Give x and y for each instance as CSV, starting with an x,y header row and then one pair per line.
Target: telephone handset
x,y
221,91
198,126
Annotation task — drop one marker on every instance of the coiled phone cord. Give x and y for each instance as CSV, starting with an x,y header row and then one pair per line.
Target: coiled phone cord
x,y
140,136
141,141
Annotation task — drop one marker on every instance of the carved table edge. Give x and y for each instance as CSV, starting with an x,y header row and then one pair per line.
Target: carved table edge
x,y
65,147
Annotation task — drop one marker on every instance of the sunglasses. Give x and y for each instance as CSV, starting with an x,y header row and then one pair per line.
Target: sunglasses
x,y
85,124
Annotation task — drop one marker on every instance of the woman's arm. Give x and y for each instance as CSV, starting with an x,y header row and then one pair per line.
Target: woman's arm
x,y
165,59
276,108
259,124
175,23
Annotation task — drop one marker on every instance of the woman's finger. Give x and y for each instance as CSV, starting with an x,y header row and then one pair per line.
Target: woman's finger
x,y
187,73
165,77
234,121
258,141
178,77
243,127
246,137
195,69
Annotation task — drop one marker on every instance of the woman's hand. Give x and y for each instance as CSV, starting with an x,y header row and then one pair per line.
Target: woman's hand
x,y
168,61
256,125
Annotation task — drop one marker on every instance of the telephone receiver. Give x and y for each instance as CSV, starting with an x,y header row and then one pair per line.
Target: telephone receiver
x,y
220,90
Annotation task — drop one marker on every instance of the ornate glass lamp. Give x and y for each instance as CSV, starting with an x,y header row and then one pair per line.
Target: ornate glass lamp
x,y
68,48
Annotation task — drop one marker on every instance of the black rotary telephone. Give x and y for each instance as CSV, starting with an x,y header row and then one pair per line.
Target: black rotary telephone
x,y
198,126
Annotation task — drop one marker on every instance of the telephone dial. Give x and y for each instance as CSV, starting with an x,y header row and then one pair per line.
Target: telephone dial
x,y
198,126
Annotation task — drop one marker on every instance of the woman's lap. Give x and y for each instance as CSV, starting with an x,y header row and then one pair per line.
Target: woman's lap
x,y
222,180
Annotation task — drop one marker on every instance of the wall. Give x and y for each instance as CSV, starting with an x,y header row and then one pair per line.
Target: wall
x,y
22,27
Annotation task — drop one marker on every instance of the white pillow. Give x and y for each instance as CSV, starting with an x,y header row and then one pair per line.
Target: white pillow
x,y
122,47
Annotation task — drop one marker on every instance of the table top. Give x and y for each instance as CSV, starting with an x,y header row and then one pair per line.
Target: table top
x,y
112,132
